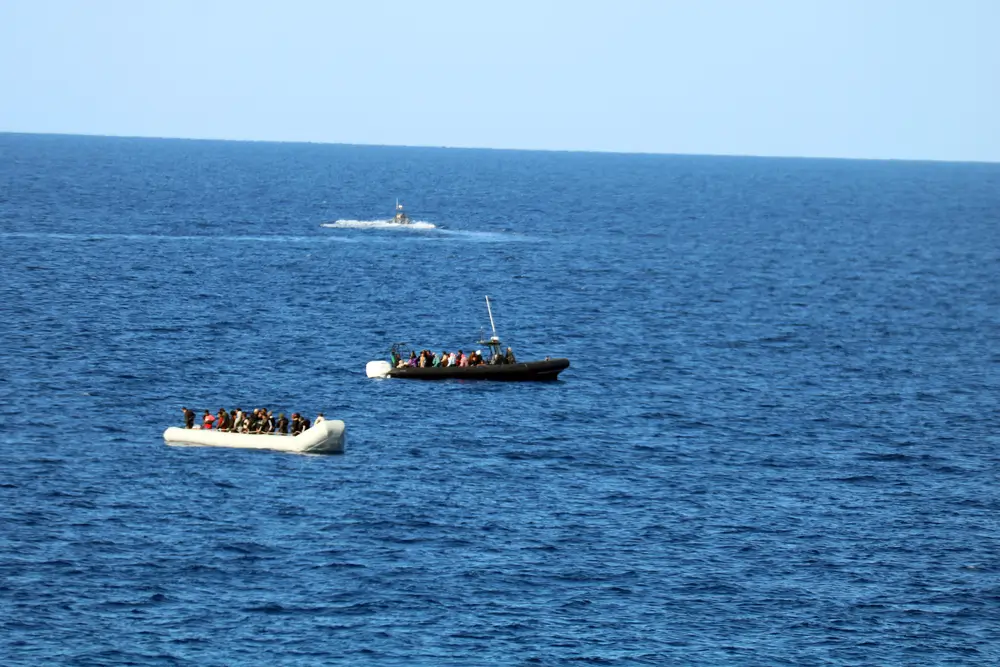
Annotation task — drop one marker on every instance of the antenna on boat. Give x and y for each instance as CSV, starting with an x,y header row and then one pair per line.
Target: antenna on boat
x,y
490,311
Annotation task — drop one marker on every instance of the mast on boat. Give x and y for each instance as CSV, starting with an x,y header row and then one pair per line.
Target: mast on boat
x,y
398,215
490,311
494,342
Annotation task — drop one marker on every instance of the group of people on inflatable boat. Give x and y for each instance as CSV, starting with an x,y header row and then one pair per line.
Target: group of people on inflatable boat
x,y
260,421
443,360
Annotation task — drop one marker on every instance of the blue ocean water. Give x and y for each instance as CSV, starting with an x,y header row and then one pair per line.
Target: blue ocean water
x,y
777,443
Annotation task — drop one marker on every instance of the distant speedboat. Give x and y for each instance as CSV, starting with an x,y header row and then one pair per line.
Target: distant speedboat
x,y
401,218
498,365
398,220
326,437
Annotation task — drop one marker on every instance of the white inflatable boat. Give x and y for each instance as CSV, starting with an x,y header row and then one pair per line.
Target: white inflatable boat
x,y
326,437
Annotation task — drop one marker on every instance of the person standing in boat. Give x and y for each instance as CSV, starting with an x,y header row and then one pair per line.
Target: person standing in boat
x,y
188,418
224,422
207,420
510,356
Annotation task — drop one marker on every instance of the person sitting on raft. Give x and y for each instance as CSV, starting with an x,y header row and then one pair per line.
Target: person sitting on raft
x,y
260,422
223,421
299,423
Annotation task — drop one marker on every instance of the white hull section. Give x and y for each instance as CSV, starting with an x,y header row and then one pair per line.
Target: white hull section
x,y
327,437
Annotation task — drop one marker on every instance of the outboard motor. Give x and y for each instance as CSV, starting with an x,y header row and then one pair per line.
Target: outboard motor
x,y
378,369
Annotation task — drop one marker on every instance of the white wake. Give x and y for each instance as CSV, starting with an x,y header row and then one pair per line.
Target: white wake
x,y
377,224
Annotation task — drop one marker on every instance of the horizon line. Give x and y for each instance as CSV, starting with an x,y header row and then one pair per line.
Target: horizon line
x,y
493,148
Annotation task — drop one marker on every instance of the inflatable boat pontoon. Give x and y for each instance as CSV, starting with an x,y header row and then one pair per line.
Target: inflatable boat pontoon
x,y
326,437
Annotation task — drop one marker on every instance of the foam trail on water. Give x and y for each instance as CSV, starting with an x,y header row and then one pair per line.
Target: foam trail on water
x,y
486,237
215,238
378,224
455,234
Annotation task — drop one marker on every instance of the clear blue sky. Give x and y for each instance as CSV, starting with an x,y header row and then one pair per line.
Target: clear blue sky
x,y
838,78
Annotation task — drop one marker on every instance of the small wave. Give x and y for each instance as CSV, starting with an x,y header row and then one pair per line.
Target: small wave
x,y
276,608
377,224
244,548
890,457
858,479
267,608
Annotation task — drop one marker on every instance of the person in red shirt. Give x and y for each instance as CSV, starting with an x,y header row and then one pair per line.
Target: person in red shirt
x,y
207,420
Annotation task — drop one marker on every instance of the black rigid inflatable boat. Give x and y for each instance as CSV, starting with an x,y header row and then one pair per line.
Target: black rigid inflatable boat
x,y
528,371
498,365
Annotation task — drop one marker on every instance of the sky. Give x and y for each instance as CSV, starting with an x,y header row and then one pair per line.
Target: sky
x,y
896,79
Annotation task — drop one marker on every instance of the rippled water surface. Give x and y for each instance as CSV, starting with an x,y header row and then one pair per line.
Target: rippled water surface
x,y
777,442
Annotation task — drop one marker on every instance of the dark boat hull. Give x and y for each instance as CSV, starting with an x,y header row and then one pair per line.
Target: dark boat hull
x,y
530,371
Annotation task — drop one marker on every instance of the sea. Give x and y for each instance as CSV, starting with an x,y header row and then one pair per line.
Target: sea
x,y
777,443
